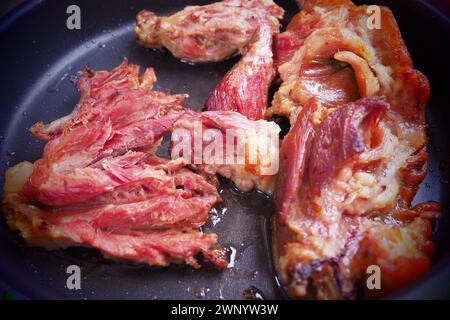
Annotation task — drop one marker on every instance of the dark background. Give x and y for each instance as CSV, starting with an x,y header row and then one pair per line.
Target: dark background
x,y
7,5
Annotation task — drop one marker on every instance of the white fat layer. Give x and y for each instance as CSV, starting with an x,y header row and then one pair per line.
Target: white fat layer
x,y
17,176
357,192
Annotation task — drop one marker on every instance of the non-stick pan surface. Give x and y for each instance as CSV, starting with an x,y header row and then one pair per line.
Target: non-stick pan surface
x,y
37,59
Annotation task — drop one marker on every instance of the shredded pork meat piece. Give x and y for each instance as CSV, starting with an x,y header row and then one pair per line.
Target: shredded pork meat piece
x,y
88,151
154,247
245,88
99,185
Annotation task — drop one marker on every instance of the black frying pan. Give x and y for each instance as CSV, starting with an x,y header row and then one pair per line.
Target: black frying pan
x,y
38,56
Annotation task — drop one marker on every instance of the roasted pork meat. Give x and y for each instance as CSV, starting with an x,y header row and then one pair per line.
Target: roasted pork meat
x,y
330,52
231,145
215,32
354,158
212,32
157,247
152,220
87,151
98,183
344,199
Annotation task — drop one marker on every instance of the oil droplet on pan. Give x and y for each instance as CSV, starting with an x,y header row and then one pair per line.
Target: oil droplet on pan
x,y
253,293
232,262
